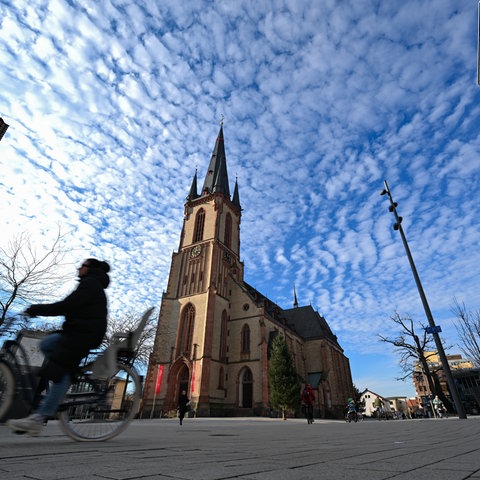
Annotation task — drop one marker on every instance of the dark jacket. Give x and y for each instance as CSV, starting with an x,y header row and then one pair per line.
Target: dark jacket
x,y
183,404
85,312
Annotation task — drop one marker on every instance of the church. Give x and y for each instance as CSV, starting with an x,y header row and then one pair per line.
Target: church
x,y
215,330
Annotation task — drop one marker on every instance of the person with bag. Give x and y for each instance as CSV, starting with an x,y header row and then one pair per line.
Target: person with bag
x,y
85,312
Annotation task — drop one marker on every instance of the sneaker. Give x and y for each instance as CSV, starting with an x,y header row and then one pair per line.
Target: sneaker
x,y
32,425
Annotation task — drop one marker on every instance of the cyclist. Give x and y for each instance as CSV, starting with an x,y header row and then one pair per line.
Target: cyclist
x,y
438,406
85,312
351,410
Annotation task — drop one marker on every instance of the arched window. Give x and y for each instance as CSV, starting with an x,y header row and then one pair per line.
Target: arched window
x,y
222,354
199,225
245,338
228,230
186,330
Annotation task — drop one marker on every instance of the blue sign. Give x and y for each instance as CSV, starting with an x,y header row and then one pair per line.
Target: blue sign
x,y
435,329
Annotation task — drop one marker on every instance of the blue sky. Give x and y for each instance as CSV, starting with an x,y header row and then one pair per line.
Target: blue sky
x,y
113,105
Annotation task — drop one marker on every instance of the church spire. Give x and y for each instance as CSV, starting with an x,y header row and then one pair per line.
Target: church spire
x,y
295,301
216,180
236,196
192,195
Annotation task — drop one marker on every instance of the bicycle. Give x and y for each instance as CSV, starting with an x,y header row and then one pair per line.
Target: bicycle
x,y
353,416
104,395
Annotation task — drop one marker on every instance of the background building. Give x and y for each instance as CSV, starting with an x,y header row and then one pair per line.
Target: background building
x,y
456,362
368,397
466,376
215,330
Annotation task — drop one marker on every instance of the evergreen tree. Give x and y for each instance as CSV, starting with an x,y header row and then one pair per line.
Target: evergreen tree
x,y
283,378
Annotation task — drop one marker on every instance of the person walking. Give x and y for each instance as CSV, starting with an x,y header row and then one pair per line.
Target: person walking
x,y
182,406
85,311
378,405
308,400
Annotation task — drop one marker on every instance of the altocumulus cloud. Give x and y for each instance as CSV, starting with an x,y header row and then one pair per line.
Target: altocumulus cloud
x,y
112,108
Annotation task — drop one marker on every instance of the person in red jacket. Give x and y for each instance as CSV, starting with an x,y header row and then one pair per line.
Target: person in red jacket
x,y
308,400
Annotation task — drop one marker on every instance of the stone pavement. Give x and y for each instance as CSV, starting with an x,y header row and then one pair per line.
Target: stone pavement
x,y
253,449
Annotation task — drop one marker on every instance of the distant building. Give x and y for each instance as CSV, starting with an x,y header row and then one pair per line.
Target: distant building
x,y
468,384
368,397
456,363
3,128
398,405
215,330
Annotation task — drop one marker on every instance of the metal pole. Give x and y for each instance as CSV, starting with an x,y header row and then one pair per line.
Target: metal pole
x,y
441,352
478,46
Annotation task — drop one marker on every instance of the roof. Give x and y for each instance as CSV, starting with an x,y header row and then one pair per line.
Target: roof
x,y
309,323
304,321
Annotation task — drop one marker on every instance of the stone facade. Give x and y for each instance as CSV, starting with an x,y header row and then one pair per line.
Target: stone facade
x,y
214,330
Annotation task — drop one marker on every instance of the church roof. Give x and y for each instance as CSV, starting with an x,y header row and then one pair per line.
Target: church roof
x,y
304,321
308,323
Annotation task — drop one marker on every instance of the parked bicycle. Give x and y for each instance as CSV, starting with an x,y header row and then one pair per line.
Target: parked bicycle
x,y
104,395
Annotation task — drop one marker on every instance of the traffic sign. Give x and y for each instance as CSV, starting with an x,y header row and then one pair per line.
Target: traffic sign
x,y
434,329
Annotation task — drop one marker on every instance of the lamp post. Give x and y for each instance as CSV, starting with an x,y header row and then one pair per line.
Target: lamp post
x,y
441,352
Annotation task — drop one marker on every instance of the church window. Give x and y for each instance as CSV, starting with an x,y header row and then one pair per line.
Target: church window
x,y
245,338
223,338
186,330
228,230
199,226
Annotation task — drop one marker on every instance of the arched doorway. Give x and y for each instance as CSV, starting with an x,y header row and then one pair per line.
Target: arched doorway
x,y
183,380
245,384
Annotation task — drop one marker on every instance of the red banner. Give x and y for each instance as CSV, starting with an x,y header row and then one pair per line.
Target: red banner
x,y
159,379
192,385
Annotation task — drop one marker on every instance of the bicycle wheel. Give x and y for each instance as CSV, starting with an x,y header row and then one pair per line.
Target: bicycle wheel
x,y
97,410
7,390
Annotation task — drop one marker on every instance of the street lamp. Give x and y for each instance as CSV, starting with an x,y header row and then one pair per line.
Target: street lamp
x,y
441,352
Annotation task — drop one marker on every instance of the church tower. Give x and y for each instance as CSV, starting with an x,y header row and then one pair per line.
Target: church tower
x,y
215,330
198,292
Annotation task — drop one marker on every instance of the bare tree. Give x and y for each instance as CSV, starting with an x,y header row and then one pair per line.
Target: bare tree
x,y
414,351
468,328
127,322
28,274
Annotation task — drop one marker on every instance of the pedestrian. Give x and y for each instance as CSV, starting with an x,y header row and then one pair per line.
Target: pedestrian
x,y
308,400
378,404
85,312
182,406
